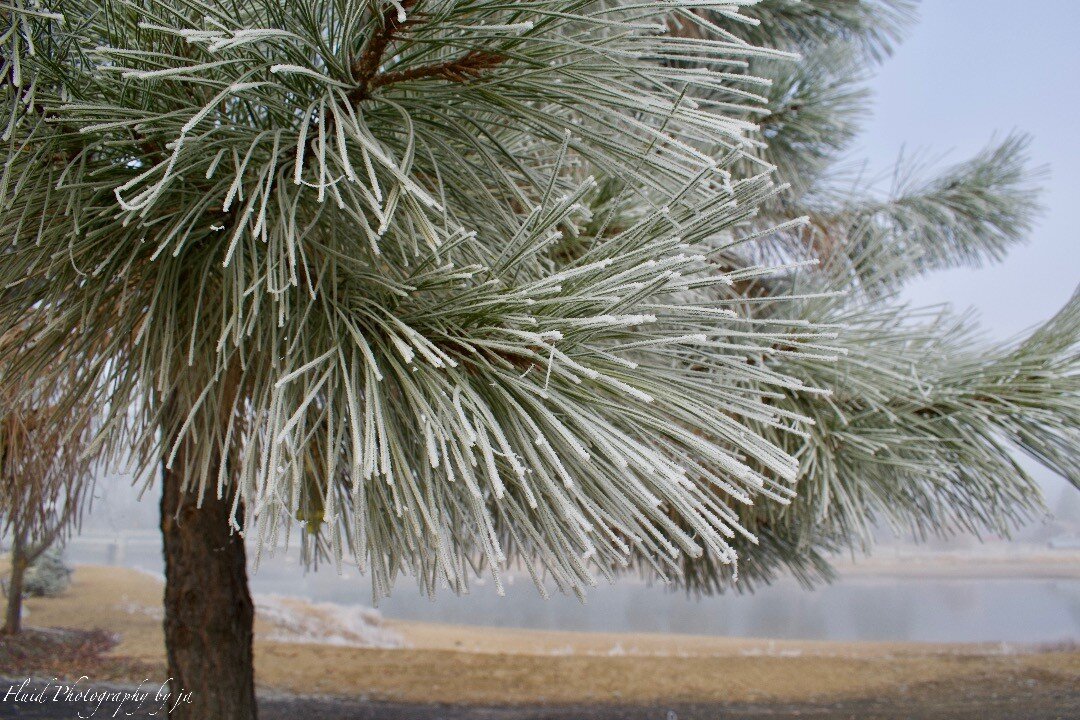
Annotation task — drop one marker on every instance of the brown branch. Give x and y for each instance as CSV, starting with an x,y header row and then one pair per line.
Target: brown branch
x,y
366,67
47,538
365,70
468,66
366,75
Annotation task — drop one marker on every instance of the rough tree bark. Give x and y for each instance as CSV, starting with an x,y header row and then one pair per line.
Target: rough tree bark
x,y
13,614
209,615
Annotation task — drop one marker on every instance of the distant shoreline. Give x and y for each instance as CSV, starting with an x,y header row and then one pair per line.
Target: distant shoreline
x,y
989,561
1043,564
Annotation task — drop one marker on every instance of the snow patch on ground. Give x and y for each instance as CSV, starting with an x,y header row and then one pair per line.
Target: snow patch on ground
x,y
133,607
295,620
300,621
771,652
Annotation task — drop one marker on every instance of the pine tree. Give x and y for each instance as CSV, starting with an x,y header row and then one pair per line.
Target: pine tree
x,y
49,575
459,283
926,417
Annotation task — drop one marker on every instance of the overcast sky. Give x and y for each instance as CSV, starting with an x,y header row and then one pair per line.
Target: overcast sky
x,y
970,70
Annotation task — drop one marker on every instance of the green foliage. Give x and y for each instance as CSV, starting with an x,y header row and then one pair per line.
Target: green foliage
x,y
456,283
872,27
966,215
346,250
49,576
815,107
925,417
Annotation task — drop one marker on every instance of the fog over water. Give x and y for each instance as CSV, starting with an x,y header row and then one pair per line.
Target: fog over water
x,y
122,530
858,607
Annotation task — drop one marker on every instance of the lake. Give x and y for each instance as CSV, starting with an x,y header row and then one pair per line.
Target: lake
x,y
857,607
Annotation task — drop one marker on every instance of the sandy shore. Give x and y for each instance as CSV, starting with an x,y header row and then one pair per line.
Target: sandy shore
x,y
455,664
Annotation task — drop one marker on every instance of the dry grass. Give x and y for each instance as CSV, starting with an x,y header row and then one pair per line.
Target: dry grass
x,y
454,664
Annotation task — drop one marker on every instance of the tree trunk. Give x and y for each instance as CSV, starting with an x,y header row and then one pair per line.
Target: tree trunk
x,y
13,615
208,611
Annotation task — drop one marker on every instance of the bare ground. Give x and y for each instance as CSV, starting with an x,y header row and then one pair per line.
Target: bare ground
x,y
970,704
458,673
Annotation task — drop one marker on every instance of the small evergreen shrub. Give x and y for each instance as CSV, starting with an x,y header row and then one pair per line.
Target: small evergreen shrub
x,y
49,576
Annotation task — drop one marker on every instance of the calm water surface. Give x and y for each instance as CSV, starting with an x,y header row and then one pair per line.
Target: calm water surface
x,y
855,608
